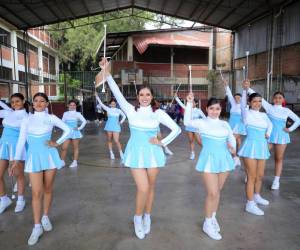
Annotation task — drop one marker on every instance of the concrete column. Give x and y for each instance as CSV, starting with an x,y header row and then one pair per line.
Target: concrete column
x,y
41,69
211,52
57,74
14,56
130,49
172,61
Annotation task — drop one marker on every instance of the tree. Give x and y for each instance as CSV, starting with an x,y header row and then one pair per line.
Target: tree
x,y
80,39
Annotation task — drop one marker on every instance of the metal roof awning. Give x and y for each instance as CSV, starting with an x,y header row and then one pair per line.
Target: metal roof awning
x,y
143,38
184,38
228,14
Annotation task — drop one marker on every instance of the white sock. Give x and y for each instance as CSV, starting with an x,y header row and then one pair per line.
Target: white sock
x,y
251,202
276,178
20,197
37,226
138,219
147,216
214,215
45,216
74,161
208,220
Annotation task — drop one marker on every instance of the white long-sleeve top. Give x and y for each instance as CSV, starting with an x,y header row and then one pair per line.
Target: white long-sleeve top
x,y
112,111
235,107
144,117
39,123
209,126
279,112
12,118
196,112
74,116
255,118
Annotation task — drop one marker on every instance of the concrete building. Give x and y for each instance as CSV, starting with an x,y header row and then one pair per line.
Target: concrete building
x,y
161,58
31,58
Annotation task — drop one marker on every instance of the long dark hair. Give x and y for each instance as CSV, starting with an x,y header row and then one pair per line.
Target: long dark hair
x,y
22,98
279,93
252,96
212,101
112,100
41,94
74,101
153,102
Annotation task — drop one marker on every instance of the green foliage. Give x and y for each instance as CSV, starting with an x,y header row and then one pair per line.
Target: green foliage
x,y
80,43
211,76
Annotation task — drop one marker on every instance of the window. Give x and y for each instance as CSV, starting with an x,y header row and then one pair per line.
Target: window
x,y
21,44
4,37
33,48
22,76
52,65
5,73
186,87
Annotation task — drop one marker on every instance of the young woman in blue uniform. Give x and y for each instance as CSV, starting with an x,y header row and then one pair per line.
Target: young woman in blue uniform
x,y
279,137
112,126
42,160
215,159
192,132
235,119
11,122
143,154
71,118
254,150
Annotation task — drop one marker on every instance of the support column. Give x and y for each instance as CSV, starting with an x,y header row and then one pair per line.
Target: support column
x,y
14,55
57,74
130,49
172,61
41,69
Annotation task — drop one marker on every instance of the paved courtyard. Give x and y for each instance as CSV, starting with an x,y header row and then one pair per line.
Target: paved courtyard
x,y
93,206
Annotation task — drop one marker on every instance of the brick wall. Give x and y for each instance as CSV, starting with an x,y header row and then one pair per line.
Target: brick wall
x,y
290,60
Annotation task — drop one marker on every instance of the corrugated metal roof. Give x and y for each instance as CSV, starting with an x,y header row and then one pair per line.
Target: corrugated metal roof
x,y
228,14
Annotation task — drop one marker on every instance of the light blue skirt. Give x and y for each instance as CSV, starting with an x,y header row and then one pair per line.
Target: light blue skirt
x,y
8,143
255,146
40,156
191,129
214,156
140,153
278,135
74,134
236,124
112,124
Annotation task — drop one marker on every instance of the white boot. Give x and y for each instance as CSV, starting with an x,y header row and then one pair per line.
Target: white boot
x,y
261,201
210,229
20,205
192,155
252,208
121,155
46,223
112,156
74,164
147,223
237,161
276,183
215,222
5,203
35,235
138,227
